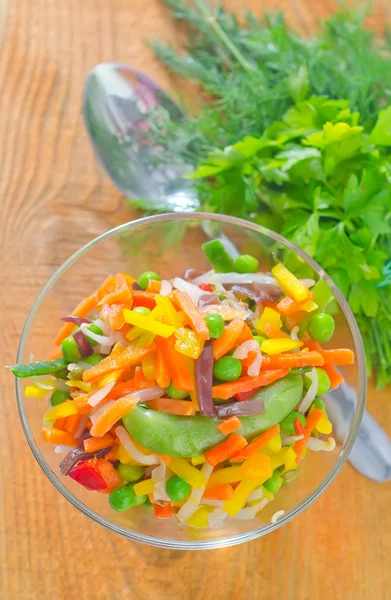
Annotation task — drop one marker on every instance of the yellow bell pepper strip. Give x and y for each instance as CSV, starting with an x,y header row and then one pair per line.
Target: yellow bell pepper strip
x,y
145,339
229,338
134,333
124,457
242,492
226,475
196,319
289,284
257,466
33,391
81,385
277,346
187,472
58,437
287,457
147,323
188,343
62,410
128,357
257,444
198,460
148,364
199,519
232,445
269,315
170,315
275,443
144,487
324,425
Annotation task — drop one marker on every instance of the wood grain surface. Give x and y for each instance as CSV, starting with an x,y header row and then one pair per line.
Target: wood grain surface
x,y
54,198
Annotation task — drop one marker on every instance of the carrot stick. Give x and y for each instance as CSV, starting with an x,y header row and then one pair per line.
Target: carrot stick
x,y
109,474
340,356
229,425
335,378
140,381
246,334
162,371
247,383
72,423
59,423
94,444
107,286
121,389
197,322
141,298
257,444
115,410
274,332
154,286
57,436
287,306
121,293
312,420
293,360
228,340
81,310
173,407
162,512
179,365
129,356
226,449
113,314
220,492
55,353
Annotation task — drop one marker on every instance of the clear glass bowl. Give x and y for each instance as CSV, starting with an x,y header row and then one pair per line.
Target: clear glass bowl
x,y
169,244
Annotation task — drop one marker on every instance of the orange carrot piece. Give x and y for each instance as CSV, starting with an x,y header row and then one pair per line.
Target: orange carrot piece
x,y
141,298
81,310
287,306
197,322
113,314
248,360
57,436
173,407
184,319
219,492
59,423
274,332
295,319
256,444
161,369
312,420
93,444
55,353
129,356
121,389
154,286
121,293
229,339
227,313
162,512
71,423
179,365
226,449
247,383
111,456
107,286
335,378
114,413
292,360
109,474
338,357
140,381
245,335
229,425
82,405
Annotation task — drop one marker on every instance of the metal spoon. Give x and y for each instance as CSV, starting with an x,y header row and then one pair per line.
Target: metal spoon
x,y
120,104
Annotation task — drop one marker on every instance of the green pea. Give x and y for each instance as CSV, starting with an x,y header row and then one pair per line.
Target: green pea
x,y
288,424
58,397
323,382
274,483
95,329
245,263
173,392
318,403
321,327
145,277
76,373
142,310
124,497
177,489
227,368
70,349
215,325
94,359
259,339
130,472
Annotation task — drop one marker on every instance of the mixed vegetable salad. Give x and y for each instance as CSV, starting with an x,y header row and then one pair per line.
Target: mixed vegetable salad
x,y
197,396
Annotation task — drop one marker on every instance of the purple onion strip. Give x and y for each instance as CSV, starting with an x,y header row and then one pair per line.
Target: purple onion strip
x,y
136,286
248,408
76,320
203,372
256,291
207,299
82,343
76,455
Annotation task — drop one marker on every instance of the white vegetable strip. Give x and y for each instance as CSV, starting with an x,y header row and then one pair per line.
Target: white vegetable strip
x,y
311,393
223,278
250,512
147,393
216,517
277,515
44,382
61,449
294,332
243,351
308,283
143,459
104,349
166,288
212,502
108,340
193,502
194,291
159,477
291,439
82,426
256,495
317,445
99,395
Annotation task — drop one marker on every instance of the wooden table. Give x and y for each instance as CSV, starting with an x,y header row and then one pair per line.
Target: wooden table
x,y
54,198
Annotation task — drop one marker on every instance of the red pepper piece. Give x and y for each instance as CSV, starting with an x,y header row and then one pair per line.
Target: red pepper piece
x,y
88,474
205,287
299,428
242,396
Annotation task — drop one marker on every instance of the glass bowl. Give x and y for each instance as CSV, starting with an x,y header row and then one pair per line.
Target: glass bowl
x,y
169,244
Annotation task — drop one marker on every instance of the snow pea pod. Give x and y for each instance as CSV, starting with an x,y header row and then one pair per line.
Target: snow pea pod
x,y
43,367
176,435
